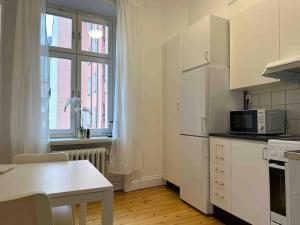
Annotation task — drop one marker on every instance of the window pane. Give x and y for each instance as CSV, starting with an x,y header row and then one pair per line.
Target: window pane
x,y
94,94
60,84
59,31
94,37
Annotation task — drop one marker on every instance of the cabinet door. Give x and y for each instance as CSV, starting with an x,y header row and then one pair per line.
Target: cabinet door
x,y
193,100
194,187
195,45
254,42
250,182
294,191
289,28
171,87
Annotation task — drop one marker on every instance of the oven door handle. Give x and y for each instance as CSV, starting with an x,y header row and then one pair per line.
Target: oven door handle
x,y
273,165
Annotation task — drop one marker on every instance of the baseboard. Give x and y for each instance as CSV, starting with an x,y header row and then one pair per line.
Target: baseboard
x,y
144,182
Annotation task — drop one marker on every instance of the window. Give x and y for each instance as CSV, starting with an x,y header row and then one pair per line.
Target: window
x,y
94,36
80,56
59,31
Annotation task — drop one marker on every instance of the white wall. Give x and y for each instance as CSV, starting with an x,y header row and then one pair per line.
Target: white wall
x,y
151,89
200,8
175,17
178,14
151,97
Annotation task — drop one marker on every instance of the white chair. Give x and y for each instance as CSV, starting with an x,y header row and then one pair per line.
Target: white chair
x,y
33,209
62,215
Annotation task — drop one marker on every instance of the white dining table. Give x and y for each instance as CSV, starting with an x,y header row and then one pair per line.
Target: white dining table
x,y
66,183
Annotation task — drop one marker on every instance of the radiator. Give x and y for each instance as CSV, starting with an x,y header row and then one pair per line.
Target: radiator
x,y
97,156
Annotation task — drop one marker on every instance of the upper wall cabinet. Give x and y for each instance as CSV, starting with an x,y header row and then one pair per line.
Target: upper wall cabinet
x,y
206,41
289,28
254,42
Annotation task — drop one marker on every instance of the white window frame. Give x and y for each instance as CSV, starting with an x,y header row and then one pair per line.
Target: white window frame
x,y
72,131
77,56
72,16
93,19
109,108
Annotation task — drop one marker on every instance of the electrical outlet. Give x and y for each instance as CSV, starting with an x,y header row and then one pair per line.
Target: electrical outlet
x,y
248,99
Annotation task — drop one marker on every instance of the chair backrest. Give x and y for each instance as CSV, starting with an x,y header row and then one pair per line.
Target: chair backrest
x,y
34,209
40,158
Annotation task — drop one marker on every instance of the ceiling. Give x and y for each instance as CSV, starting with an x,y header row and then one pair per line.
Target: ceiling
x,y
98,7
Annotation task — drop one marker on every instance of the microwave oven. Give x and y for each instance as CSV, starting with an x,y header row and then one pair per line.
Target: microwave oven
x,y
258,121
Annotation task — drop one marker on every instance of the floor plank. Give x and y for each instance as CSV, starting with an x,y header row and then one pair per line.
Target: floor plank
x,y
153,206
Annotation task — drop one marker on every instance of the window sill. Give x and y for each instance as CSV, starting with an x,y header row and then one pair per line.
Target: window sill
x,y
75,141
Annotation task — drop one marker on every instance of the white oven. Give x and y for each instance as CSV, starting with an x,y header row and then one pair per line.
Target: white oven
x,y
279,175
278,192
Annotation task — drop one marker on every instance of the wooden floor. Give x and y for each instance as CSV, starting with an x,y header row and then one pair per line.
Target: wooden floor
x,y
152,206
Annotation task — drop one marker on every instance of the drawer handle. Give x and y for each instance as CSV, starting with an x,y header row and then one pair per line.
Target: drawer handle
x,y
222,158
219,196
220,171
219,145
221,184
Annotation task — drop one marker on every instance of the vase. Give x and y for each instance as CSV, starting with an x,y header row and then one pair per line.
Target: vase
x,y
80,133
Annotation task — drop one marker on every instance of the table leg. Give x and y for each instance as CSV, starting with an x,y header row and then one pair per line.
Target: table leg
x,y
107,208
83,209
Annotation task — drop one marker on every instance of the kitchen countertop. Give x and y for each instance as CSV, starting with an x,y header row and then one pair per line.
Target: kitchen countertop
x,y
254,137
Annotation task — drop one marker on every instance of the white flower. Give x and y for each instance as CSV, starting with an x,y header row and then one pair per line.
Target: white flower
x,y
74,103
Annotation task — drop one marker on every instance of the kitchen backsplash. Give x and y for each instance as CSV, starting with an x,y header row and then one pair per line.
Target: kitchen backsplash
x,y
287,98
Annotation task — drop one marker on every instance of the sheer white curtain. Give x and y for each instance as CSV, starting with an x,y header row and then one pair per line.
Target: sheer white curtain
x,y
30,83
126,152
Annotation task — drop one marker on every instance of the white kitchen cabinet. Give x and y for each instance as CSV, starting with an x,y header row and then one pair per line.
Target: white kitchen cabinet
x,y
171,117
206,41
250,182
220,173
254,42
289,28
194,85
194,183
293,194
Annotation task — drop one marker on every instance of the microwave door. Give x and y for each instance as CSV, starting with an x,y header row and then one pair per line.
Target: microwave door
x,y
243,121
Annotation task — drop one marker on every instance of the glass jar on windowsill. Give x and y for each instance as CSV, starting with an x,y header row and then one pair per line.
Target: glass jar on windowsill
x,y
81,133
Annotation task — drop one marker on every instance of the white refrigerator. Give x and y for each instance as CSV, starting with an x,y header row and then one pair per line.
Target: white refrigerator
x,y
204,107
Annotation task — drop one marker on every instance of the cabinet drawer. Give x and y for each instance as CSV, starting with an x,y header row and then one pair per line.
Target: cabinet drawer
x,y
220,181
220,198
220,167
219,149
